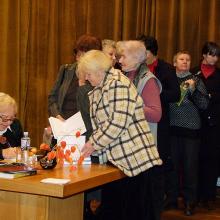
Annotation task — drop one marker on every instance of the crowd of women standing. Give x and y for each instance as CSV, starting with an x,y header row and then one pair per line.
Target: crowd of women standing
x,y
155,121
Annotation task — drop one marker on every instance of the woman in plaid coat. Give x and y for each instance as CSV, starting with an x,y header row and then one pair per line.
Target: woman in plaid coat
x,y
121,135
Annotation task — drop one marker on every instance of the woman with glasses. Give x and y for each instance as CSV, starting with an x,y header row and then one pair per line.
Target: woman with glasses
x,y
10,127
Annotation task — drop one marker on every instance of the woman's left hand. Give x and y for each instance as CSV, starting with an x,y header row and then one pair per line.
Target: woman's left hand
x,y
87,149
9,153
192,84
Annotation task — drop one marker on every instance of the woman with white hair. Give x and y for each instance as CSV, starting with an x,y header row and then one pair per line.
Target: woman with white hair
x,y
122,136
133,64
10,127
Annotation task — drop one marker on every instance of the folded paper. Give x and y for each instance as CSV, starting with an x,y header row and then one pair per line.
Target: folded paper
x,y
70,126
55,181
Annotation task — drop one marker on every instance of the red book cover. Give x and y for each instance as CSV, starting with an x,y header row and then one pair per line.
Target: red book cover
x,y
15,170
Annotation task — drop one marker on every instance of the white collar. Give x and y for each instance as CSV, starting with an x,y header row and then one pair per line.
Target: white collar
x,y
2,132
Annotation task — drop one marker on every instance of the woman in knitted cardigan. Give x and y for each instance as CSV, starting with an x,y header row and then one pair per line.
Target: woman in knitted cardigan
x,y
185,125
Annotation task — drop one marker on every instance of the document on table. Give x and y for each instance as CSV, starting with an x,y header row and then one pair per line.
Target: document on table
x,y
55,181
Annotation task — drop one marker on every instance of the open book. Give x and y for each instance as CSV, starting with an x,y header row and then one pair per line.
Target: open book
x,y
68,127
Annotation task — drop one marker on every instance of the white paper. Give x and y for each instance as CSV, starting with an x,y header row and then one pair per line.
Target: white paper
x,y
68,127
55,181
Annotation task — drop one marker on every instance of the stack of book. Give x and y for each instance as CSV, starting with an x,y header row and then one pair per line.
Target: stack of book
x,y
15,170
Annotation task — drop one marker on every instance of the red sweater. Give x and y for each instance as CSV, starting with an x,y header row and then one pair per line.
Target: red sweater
x,y
151,98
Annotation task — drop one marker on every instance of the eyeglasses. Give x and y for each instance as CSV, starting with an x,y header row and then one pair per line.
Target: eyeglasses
x,y
3,118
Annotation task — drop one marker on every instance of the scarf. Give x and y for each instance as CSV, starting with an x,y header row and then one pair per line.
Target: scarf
x,y
207,70
153,66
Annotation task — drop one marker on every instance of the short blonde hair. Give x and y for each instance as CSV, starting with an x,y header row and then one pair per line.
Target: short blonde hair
x,y
93,62
135,48
180,53
7,100
108,43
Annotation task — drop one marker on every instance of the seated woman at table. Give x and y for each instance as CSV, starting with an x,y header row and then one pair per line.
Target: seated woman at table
x,y
10,127
122,136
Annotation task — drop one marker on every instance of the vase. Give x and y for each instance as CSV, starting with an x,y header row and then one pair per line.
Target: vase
x,y
48,164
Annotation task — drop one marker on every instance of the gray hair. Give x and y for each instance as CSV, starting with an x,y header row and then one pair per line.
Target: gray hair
x,y
136,49
108,43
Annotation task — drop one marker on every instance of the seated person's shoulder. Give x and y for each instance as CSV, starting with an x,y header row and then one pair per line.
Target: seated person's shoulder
x,y
16,125
16,122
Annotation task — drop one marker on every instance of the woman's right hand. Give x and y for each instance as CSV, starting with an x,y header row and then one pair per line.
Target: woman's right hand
x,y
9,153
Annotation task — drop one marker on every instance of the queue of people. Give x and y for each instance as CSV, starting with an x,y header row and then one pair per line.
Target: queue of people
x,y
157,122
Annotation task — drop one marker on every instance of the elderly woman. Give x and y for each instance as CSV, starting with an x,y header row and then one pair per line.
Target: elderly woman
x,y
133,63
185,125
133,58
122,136
10,127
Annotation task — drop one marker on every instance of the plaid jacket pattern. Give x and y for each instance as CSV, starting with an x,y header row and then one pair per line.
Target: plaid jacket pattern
x,y
120,130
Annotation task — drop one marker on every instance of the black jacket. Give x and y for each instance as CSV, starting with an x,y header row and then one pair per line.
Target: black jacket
x,y
56,98
211,116
13,136
166,73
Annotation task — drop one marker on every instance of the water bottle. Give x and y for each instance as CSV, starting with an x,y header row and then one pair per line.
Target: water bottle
x,y
25,146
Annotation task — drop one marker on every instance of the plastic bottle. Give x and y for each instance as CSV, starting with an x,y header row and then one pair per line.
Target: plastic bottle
x,y
25,146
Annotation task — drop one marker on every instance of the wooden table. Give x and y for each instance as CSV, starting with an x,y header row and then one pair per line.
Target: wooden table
x,y
27,199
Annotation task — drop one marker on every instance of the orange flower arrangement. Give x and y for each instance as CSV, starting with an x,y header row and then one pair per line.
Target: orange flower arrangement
x,y
61,154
